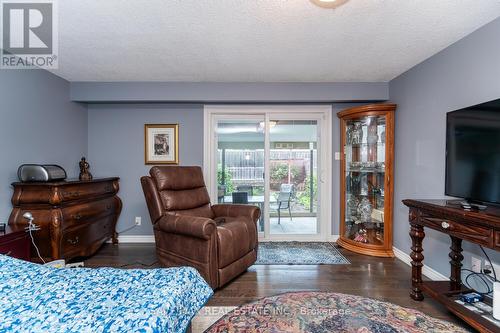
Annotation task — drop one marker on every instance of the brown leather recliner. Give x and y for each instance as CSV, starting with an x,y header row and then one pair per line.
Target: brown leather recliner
x,y
220,241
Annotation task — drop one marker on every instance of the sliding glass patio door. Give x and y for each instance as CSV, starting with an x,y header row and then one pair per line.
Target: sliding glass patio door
x,y
293,168
272,157
240,161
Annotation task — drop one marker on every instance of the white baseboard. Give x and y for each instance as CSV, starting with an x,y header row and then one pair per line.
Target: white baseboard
x,y
299,238
333,238
136,239
426,270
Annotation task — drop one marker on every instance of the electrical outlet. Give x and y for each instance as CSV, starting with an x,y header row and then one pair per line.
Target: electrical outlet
x,y
496,267
476,265
138,220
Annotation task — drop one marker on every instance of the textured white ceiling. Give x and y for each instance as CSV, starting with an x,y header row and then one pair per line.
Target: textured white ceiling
x,y
258,40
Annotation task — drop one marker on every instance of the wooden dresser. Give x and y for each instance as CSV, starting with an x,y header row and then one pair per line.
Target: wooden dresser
x,y
75,217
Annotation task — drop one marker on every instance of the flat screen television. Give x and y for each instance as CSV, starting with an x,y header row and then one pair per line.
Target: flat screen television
x,y
473,153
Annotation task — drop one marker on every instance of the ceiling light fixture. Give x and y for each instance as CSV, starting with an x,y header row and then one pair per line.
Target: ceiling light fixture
x,y
261,126
329,3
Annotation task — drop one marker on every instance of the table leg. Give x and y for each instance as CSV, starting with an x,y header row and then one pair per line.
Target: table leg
x,y
261,218
114,238
456,263
417,236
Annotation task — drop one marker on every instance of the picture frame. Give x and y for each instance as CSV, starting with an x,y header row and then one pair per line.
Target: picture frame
x,y
161,143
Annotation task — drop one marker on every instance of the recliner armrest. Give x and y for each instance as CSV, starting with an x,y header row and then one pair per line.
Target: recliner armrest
x,y
230,210
199,227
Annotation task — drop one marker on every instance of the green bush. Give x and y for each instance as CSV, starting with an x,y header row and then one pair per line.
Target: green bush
x,y
304,198
228,179
279,172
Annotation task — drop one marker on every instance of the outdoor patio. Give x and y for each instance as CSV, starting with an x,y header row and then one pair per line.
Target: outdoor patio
x,y
292,169
298,225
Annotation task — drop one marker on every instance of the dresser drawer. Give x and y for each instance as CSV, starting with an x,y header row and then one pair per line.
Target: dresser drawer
x,y
81,240
17,248
497,240
87,190
476,234
88,212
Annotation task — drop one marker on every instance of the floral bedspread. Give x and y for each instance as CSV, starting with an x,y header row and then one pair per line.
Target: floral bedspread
x,y
35,298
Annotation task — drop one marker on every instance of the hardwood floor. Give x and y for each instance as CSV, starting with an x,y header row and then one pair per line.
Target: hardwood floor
x,y
386,279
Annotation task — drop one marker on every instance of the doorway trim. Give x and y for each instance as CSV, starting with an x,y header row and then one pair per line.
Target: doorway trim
x,y
212,112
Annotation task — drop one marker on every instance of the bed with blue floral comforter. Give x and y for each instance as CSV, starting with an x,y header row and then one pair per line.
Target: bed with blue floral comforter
x,y
35,298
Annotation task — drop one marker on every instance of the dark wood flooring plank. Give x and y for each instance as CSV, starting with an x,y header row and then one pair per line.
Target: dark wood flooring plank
x,y
386,279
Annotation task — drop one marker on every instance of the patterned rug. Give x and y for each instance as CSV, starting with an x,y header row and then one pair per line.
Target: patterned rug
x,y
299,253
318,312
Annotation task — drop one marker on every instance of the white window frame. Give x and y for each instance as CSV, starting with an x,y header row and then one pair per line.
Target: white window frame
x,y
322,113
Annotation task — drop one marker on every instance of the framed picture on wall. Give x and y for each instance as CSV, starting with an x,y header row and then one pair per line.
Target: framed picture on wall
x,y
161,142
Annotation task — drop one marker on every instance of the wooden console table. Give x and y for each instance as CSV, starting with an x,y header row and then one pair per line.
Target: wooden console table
x,y
447,216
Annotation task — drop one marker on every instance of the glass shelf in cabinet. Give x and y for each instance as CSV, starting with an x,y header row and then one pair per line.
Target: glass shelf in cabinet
x,y
373,221
363,144
364,171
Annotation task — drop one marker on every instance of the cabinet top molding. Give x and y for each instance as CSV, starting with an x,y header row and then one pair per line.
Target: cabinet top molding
x,y
384,107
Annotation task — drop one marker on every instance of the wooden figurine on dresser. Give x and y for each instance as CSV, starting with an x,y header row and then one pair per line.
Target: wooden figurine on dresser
x,y
84,170
75,217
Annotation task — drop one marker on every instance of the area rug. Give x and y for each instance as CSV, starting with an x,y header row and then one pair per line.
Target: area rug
x,y
318,312
207,316
299,253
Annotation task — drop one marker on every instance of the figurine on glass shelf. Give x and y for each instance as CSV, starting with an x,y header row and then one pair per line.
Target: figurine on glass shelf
x,y
363,184
365,210
354,181
351,206
357,133
84,170
380,201
372,137
348,134
361,236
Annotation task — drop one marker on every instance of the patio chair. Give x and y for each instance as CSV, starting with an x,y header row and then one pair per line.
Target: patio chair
x,y
284,201
221,192
240,197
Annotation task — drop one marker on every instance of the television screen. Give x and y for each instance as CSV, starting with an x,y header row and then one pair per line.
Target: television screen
x,y
473,153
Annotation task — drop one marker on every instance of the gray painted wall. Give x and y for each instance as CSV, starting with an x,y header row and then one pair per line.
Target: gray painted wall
x,y
116,148
38,124
213,92
464,74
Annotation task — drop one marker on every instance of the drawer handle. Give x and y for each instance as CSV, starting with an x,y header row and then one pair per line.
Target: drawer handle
x,y
108,188
108,207
445,225
73,194
78,217
73,242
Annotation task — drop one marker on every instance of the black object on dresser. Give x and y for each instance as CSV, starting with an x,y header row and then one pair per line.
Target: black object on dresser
x,y
15,242
75,217
448,217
